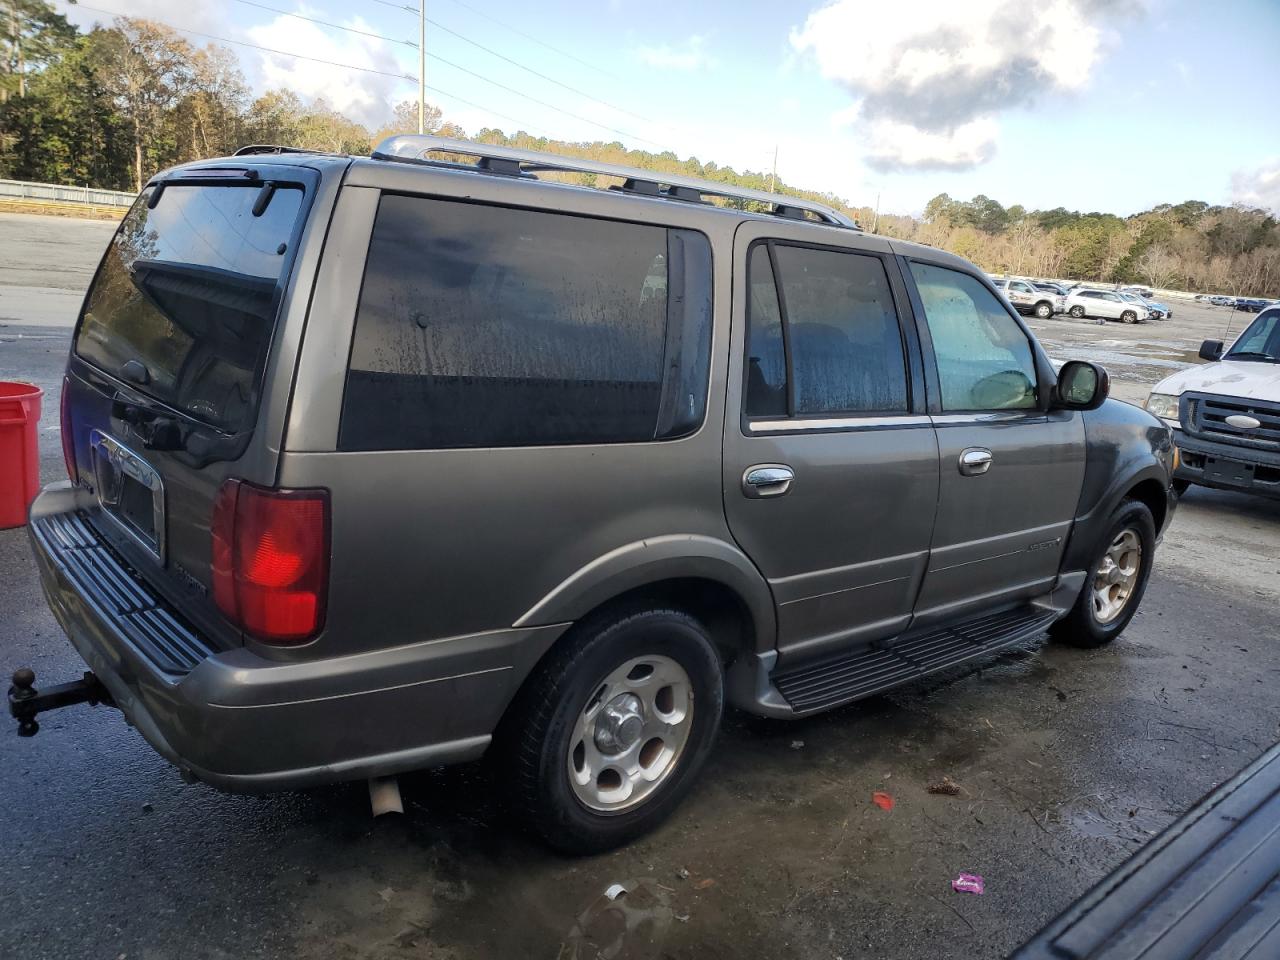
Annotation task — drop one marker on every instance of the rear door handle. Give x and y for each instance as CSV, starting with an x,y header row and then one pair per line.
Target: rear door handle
x,y
767,480
975,461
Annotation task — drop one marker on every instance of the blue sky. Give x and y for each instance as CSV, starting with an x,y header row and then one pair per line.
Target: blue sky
x,y
1088,104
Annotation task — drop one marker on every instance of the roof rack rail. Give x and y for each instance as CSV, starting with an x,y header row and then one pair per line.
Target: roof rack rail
x,y
490,158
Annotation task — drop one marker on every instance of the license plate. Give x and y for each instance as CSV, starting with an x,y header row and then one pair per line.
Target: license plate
x,y
129,490
1231,472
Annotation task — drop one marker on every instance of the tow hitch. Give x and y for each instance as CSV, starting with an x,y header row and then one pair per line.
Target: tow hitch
x,y
25,701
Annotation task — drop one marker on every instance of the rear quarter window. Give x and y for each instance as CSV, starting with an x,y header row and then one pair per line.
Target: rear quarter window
x,y
483,326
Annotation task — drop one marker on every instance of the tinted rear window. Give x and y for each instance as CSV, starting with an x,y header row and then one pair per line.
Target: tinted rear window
x,y
189,290
490,326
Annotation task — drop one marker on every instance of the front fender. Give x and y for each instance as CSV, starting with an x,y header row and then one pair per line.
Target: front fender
x,y
1125,447
651,561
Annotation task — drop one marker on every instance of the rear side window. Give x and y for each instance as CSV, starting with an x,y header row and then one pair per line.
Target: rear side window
x,y
831,315
188,289
483,326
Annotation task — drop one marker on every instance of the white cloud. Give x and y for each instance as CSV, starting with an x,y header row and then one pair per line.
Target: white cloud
x,y
366,97
688,57
1259,187
930,76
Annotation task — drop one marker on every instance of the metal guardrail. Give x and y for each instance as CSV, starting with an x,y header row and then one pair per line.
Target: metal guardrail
x,y
56,193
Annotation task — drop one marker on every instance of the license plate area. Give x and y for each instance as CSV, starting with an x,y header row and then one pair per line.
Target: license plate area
x,y
130,491
1231,472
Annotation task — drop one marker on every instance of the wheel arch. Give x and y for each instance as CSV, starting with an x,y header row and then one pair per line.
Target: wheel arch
x,y
709,578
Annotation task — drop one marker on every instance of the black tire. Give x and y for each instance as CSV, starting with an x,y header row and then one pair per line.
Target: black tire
x,y
1180,487
1044,310
1128,317
1077,311
1080,627
536,732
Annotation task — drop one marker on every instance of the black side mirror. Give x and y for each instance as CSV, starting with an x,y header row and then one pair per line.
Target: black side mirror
x,y
1211,350
1081,386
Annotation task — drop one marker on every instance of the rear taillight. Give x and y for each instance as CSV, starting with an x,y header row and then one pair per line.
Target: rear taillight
x,y
68,441
271,560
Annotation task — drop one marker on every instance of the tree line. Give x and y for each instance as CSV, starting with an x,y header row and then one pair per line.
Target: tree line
x,y
111,106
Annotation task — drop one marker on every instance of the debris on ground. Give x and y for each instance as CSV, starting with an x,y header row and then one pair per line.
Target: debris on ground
x,y
946,786
631,919
615,891
797,744
882,800
704,883
682,874
968,883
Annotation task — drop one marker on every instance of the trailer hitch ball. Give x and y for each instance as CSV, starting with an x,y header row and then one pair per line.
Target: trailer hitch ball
x,y
23,689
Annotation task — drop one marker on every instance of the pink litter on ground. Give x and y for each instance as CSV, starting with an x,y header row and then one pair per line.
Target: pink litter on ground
x,y
882,800
967,883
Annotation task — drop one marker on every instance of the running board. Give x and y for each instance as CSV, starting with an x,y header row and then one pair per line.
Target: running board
x,y
820,686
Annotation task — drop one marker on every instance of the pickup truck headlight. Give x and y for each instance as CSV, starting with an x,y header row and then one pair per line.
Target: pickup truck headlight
x,y
1163,405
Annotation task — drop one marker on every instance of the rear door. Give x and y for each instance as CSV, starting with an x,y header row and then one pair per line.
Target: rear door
x,y
1010,473
168,365
830,461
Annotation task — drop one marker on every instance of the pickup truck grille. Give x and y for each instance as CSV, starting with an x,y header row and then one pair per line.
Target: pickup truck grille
x,y
1205,415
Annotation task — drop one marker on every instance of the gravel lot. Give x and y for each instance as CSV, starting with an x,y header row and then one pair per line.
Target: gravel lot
x,y
1067,761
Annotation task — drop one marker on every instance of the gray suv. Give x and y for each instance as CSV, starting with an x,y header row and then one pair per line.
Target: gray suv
x,y
383,463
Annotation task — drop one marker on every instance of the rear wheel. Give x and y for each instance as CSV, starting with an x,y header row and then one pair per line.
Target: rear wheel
x,y
1044,310
1129,317
1077,311
609,734
1116,581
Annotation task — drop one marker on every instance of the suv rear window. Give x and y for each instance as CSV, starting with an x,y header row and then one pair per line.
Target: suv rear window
x,y
189,289
482,326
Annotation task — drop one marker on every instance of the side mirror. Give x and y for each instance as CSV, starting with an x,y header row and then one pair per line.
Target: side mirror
x,y
1081,386
1211,350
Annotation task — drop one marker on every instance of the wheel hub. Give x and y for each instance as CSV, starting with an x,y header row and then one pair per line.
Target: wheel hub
x,y
619,724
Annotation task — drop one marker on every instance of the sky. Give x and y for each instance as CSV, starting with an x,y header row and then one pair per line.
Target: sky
x,y
1109,105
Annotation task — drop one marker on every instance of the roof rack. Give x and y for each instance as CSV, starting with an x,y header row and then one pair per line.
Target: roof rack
x,y
254,149
490,158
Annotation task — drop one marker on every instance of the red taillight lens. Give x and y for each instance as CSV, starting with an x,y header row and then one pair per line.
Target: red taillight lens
x,y
68,441
271,560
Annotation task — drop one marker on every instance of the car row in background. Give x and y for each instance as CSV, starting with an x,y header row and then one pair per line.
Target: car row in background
x,y
1110,305
1249,304
1048,298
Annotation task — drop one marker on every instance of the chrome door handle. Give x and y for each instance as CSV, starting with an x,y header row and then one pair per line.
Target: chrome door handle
x,y
767,480
975,461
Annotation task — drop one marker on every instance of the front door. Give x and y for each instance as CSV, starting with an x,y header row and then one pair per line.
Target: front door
x,y
830,461
1010,473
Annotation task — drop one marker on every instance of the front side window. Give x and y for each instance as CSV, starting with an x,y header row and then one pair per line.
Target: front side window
x,y
842,337
483,326
984,359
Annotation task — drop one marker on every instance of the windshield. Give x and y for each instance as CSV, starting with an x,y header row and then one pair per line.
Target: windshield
x,y
187,295
1260,340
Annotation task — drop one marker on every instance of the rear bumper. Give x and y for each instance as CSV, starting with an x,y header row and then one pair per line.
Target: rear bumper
x,y
245,723
1255,471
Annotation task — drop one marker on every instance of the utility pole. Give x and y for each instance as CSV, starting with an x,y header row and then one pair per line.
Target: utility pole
x,y
773,177
876,222
422,66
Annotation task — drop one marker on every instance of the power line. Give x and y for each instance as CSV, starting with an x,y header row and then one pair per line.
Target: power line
x,y
516,63
527,36
254,46
326,23
549,106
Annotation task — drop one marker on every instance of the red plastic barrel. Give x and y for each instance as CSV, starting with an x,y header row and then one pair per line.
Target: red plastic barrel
x,y
19,451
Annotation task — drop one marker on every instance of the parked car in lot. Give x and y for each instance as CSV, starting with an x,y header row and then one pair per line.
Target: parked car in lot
x,y
1106,305
1156,311
1048,286
1251,304
1027,298
1145,292
398,462
1226,414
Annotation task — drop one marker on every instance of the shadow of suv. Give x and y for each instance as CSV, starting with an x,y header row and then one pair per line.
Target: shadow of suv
x,y
382,463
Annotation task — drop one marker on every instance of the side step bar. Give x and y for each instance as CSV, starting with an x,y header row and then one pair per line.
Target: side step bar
x,y
25,701
819,686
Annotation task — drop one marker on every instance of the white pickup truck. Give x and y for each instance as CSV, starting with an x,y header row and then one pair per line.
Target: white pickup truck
x,y
1226,414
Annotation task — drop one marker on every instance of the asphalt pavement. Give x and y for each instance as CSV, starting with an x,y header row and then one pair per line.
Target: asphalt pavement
x,y
1066,761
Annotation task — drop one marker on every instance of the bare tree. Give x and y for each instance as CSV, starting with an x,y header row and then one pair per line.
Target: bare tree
x,y
1158,265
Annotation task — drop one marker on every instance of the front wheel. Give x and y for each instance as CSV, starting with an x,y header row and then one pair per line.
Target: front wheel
x,y
1129,317
609,734
1116,582
1077,311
